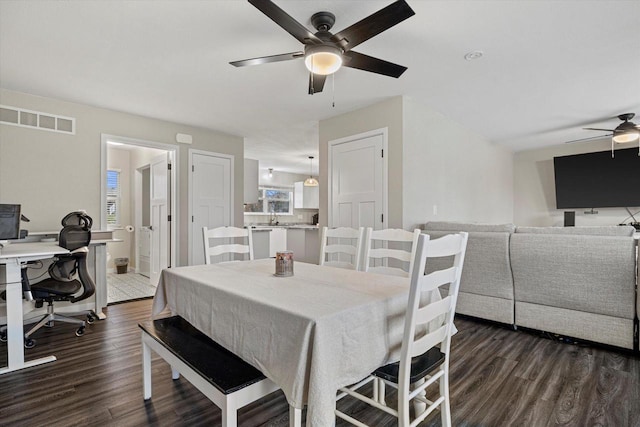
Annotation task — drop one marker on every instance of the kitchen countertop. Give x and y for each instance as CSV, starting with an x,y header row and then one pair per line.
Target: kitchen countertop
x,y
260,227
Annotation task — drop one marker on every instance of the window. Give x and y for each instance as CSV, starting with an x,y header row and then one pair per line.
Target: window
x,y
272,200
113,197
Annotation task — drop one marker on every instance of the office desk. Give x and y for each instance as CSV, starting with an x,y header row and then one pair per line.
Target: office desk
x,y
11,257
311,333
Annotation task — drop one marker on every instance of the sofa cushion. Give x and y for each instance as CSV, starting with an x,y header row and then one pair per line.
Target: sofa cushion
x,y
486,269
468,226
613,230
593,274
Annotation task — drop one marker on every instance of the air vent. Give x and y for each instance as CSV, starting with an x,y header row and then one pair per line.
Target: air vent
x,y
37,119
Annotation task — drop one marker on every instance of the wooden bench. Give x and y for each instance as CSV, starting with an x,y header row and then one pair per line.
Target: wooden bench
x,y
228,381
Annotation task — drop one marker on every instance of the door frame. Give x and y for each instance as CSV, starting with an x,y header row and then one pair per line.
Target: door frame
x,y
137,215
384,132
231,158
174,159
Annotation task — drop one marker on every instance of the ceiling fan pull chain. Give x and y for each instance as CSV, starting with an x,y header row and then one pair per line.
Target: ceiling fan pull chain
x,y
333,90
313,88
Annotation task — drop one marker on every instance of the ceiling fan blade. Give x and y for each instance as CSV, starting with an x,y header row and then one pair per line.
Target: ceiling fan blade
x,y
589,139
283,19
316,83
374,65
373,25
606,130
267,59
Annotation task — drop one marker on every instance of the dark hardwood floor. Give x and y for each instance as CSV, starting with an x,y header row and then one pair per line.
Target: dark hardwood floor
x,y
499,377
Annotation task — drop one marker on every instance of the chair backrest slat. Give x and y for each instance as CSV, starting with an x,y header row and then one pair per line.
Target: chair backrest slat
x,y
430,340
390,239
437,278
398,254
341,247
345,249
232,248
433,310
229,234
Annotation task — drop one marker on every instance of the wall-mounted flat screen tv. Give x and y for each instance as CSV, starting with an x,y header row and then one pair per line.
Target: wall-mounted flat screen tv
x,y
595,180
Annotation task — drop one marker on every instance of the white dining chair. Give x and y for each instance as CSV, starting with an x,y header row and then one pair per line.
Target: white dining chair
x,y
426,341
222,240
341,247
386,250
392,249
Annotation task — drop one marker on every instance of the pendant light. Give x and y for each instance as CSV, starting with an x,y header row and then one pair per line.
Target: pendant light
x,y
311,181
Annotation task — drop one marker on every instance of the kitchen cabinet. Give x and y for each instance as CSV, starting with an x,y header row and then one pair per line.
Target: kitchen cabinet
x,y
304,243
250,181
305,197
277,241
260,243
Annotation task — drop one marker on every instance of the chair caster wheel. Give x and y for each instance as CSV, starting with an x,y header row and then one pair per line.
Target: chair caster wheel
x,y
29,343
49,324
3,336
80,331
90,319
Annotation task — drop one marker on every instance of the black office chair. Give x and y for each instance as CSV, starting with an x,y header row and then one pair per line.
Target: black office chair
x,y
68,275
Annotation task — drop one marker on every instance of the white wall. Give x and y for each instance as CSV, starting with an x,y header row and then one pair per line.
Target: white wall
x,y
51,173
534,188
447,166
432,161
387,113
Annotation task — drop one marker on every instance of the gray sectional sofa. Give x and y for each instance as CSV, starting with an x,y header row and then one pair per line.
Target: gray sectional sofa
x,y
486,287
574,281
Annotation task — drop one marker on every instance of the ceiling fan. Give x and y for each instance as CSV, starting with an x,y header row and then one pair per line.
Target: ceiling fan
x,y
324,53
627,131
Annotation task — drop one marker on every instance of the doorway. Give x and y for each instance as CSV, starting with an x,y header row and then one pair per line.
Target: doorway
x,y
139,179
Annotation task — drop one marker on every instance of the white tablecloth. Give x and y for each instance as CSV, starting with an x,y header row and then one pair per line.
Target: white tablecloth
x,y
311,333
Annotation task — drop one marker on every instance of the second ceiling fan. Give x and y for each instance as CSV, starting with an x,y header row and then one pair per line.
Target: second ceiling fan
x,y
324,52
627,131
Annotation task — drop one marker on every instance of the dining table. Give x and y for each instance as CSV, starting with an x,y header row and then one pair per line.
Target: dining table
x,y
310,333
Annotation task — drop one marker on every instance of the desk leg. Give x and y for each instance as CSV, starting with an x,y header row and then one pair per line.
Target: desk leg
x,y
295,417
100,268
15,331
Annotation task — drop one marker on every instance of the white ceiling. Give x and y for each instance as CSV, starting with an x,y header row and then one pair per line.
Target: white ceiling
x,y
549,67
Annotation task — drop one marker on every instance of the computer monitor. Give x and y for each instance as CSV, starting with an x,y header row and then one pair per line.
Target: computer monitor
x,y
9,221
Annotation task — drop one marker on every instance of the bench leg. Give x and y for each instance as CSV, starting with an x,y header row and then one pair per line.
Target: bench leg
x,y
175,374
229,413
295,417
146,370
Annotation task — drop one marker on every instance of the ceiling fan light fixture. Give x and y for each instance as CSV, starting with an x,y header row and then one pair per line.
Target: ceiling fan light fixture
x,y
623,138
323,59
627,131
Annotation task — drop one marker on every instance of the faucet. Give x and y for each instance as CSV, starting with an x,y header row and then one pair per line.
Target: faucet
x,y
273,218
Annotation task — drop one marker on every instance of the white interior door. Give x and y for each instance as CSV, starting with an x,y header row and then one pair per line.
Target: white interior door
x,y
211,198
357,181
159,212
